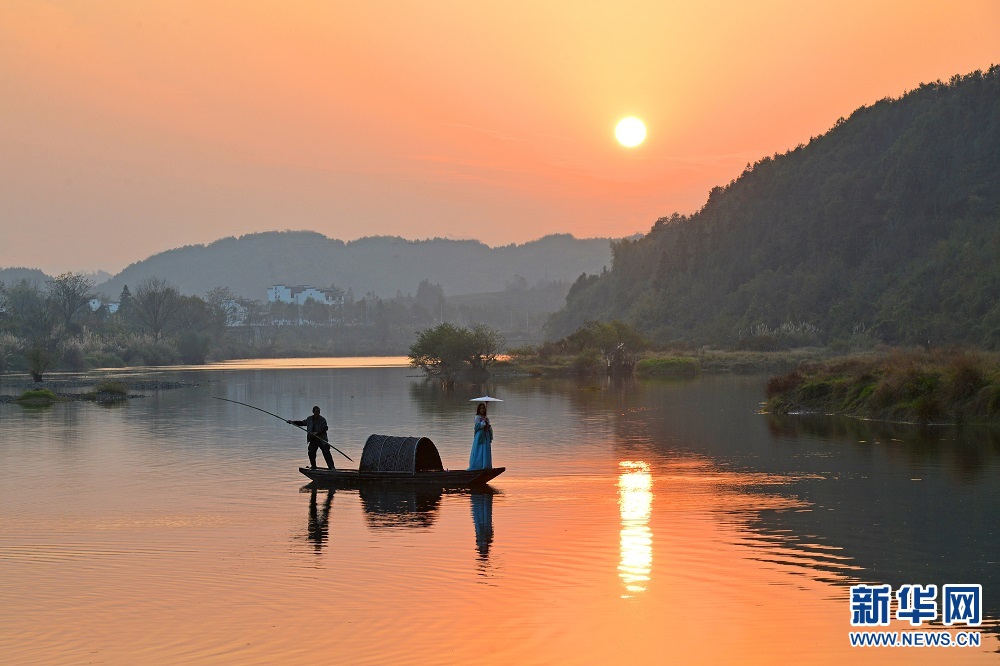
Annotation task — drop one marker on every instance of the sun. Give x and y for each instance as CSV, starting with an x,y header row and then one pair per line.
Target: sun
x,y
630,132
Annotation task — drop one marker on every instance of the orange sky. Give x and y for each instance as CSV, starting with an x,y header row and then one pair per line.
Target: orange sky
x,y
128,128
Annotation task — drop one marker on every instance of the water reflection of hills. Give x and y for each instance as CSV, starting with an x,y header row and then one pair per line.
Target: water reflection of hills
x,y
886,503
965,452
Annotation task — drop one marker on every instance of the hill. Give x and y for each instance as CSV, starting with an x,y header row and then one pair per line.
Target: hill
x,y
885,226
10,276
383,265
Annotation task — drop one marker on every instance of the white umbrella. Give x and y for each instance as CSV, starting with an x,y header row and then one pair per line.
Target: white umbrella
x,y
486,398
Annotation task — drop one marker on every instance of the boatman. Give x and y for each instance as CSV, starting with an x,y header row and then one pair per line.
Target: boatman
x,y
316,430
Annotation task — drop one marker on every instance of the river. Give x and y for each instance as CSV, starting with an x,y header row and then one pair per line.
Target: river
x,y
645,522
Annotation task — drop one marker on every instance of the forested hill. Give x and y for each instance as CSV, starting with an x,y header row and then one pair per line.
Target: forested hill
x,y
889,223
382,265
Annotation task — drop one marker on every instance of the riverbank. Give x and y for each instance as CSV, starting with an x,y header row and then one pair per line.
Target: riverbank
x,y
83,388
904,386
668,365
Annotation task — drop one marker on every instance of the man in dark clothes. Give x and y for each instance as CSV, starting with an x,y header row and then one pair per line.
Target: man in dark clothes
x,y
316,429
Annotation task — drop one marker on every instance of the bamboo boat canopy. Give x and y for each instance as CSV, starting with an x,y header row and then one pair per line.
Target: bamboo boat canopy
x,y
389,453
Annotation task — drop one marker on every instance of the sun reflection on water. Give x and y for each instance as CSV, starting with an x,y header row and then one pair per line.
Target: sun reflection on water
x,y
635,502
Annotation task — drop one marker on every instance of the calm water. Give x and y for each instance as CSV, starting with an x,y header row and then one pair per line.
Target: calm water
x,y
646,523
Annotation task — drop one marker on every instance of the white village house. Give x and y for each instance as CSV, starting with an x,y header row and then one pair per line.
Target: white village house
x,y
96,303
300,294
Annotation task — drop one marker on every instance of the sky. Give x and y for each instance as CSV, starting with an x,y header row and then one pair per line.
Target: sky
x,y
128,128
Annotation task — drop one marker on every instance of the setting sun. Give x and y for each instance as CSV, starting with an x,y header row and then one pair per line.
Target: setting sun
x,y
630,132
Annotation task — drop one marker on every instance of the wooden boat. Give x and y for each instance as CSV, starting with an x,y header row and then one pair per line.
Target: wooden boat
x,y
402,460
443,478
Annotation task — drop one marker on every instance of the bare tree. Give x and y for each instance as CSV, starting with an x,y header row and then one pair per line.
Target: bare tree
x,y
70,293
154,307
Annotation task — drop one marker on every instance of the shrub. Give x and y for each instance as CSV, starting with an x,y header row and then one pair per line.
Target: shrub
x,y
779,384
676,367
927,408
964,377
104,360
193,347
111,386
38,395
72,357
587,363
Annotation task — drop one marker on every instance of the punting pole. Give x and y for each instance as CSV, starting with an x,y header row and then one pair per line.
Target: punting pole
x,y
283,419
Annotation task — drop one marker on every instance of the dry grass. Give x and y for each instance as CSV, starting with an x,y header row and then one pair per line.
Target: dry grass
x,y
912,385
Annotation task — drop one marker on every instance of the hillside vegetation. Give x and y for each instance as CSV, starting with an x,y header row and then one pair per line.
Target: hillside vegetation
x,y
883,229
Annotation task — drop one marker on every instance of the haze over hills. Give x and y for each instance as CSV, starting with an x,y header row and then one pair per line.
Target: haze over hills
x,y
16,274
889,224
383,265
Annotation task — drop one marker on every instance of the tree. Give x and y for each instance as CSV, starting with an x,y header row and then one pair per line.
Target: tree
x,y
487,345
154,307
69,294
430,298
124,301
315,312
257,320
35,321
446,351
222,303
618,343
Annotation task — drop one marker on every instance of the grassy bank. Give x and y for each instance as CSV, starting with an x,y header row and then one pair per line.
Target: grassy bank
x,y
670,364
911,386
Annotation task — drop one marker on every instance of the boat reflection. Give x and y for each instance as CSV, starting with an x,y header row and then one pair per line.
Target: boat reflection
x,y
400,507
635,502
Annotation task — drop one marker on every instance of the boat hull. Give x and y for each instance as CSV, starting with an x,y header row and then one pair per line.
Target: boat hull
x,y
442,479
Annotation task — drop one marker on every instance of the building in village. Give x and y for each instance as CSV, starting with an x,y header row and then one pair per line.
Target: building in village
x,y
96,303
280,293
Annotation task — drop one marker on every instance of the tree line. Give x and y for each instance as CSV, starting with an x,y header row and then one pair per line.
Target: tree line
x,y
48,325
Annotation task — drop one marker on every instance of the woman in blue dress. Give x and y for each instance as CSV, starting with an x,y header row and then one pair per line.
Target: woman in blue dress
x,y
482,455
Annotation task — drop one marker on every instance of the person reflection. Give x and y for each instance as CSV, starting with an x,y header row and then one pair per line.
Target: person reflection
x,y
319,519
482,518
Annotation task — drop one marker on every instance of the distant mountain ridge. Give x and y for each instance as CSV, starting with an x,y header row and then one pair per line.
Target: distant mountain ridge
x,y
383,265
9,276
888,225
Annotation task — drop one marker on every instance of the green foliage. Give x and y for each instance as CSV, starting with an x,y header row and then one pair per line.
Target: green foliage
x,y
619,343
903,386
882,230
446,351
193,347
38,396
587,363
671,367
